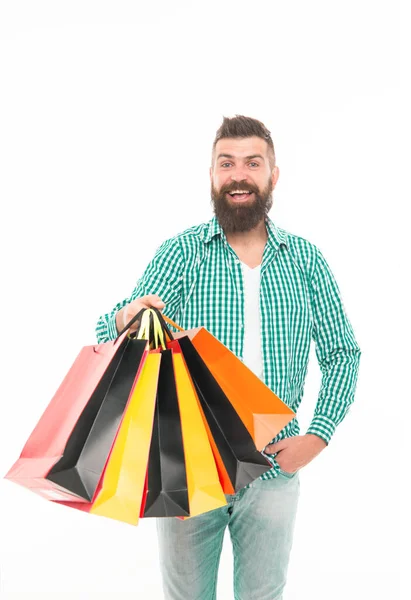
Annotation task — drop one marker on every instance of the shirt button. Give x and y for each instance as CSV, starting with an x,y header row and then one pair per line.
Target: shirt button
x,y
241,325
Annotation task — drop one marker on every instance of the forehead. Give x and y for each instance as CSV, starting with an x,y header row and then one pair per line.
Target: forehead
x,y
241,147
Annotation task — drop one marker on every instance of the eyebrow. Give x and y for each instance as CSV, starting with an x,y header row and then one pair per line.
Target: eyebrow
x,y
246,158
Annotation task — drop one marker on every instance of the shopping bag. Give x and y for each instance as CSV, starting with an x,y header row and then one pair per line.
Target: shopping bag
x,y
167,492
262,411
122,488
242,460
85,455
119,494
123,482
205,492
87,381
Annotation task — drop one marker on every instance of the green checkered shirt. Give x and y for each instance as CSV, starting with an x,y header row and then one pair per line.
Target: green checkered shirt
x,y
199,277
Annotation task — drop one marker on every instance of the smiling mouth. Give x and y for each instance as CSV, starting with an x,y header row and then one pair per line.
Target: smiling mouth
x,y
240,197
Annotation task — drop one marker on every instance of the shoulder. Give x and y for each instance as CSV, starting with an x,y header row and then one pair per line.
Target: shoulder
x,y
193,234
188,239
182,248
305,252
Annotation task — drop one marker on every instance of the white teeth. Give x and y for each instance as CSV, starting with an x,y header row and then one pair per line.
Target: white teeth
x,y
240,192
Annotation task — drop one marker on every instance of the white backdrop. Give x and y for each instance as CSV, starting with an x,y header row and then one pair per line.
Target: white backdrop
x,y
108,112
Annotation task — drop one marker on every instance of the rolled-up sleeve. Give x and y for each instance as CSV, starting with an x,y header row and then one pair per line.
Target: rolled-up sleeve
x,y
162,277
337,351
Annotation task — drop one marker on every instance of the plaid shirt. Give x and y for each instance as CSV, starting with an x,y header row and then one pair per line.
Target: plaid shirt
x,y
199,277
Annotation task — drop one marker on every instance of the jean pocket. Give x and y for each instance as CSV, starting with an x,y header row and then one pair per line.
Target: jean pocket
x,y
287,474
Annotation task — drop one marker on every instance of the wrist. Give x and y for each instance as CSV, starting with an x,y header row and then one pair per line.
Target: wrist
x,y
120,320
316,440
124,311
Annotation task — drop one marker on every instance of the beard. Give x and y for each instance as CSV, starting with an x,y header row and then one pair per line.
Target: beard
x,y
241,217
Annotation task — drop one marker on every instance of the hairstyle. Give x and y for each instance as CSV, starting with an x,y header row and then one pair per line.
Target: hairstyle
x,y
244,127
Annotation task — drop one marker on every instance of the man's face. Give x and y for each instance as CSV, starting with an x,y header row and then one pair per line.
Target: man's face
x,y
241,165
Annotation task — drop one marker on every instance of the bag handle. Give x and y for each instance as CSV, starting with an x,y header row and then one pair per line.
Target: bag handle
x,y
163,320
170,322
151,328
130,323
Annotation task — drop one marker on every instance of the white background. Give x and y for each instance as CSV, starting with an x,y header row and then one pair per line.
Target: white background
x,y
108,113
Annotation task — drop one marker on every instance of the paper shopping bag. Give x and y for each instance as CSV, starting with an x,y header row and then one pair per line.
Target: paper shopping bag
x,y
121,488
87,449
243,462
87,381
167,493
262,411
205,492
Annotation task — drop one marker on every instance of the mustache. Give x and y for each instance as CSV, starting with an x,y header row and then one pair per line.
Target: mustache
x,y
238,186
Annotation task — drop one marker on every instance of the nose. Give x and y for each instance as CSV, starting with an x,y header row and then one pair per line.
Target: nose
x,y
239,174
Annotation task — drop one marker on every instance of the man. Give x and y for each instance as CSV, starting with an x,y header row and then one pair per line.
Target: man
x,y
265,293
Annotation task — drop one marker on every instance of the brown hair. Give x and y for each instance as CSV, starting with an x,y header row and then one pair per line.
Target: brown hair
x,y
243,127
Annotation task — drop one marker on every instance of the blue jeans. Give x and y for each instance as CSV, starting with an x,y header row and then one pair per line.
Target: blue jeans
x,y
261,523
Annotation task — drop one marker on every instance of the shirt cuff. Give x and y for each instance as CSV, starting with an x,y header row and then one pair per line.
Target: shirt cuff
x,y
275,466
111,327
322,426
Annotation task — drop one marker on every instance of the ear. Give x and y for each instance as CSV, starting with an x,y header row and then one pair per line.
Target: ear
x,y
211,174
275,175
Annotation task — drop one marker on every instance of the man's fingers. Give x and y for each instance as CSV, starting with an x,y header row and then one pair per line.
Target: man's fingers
x,y
153,300
279,445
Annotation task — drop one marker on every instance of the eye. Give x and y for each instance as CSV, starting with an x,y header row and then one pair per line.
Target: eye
x,y
226,163
254,163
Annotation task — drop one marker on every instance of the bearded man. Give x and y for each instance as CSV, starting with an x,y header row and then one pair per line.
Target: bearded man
x,y
266,294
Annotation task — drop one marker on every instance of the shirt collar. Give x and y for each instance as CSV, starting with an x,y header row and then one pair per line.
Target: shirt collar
x,y
212,229
276,236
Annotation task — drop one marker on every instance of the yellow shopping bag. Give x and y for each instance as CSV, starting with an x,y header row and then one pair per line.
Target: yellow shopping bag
x,y
204,488
123,482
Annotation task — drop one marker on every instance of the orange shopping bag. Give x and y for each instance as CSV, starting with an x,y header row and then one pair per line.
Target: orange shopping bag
x,y
263,413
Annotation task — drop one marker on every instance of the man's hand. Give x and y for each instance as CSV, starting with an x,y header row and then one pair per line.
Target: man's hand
x,y
297,451
130,310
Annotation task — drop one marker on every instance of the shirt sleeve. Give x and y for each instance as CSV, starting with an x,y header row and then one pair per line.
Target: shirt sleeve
x,y
162,276
337,352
